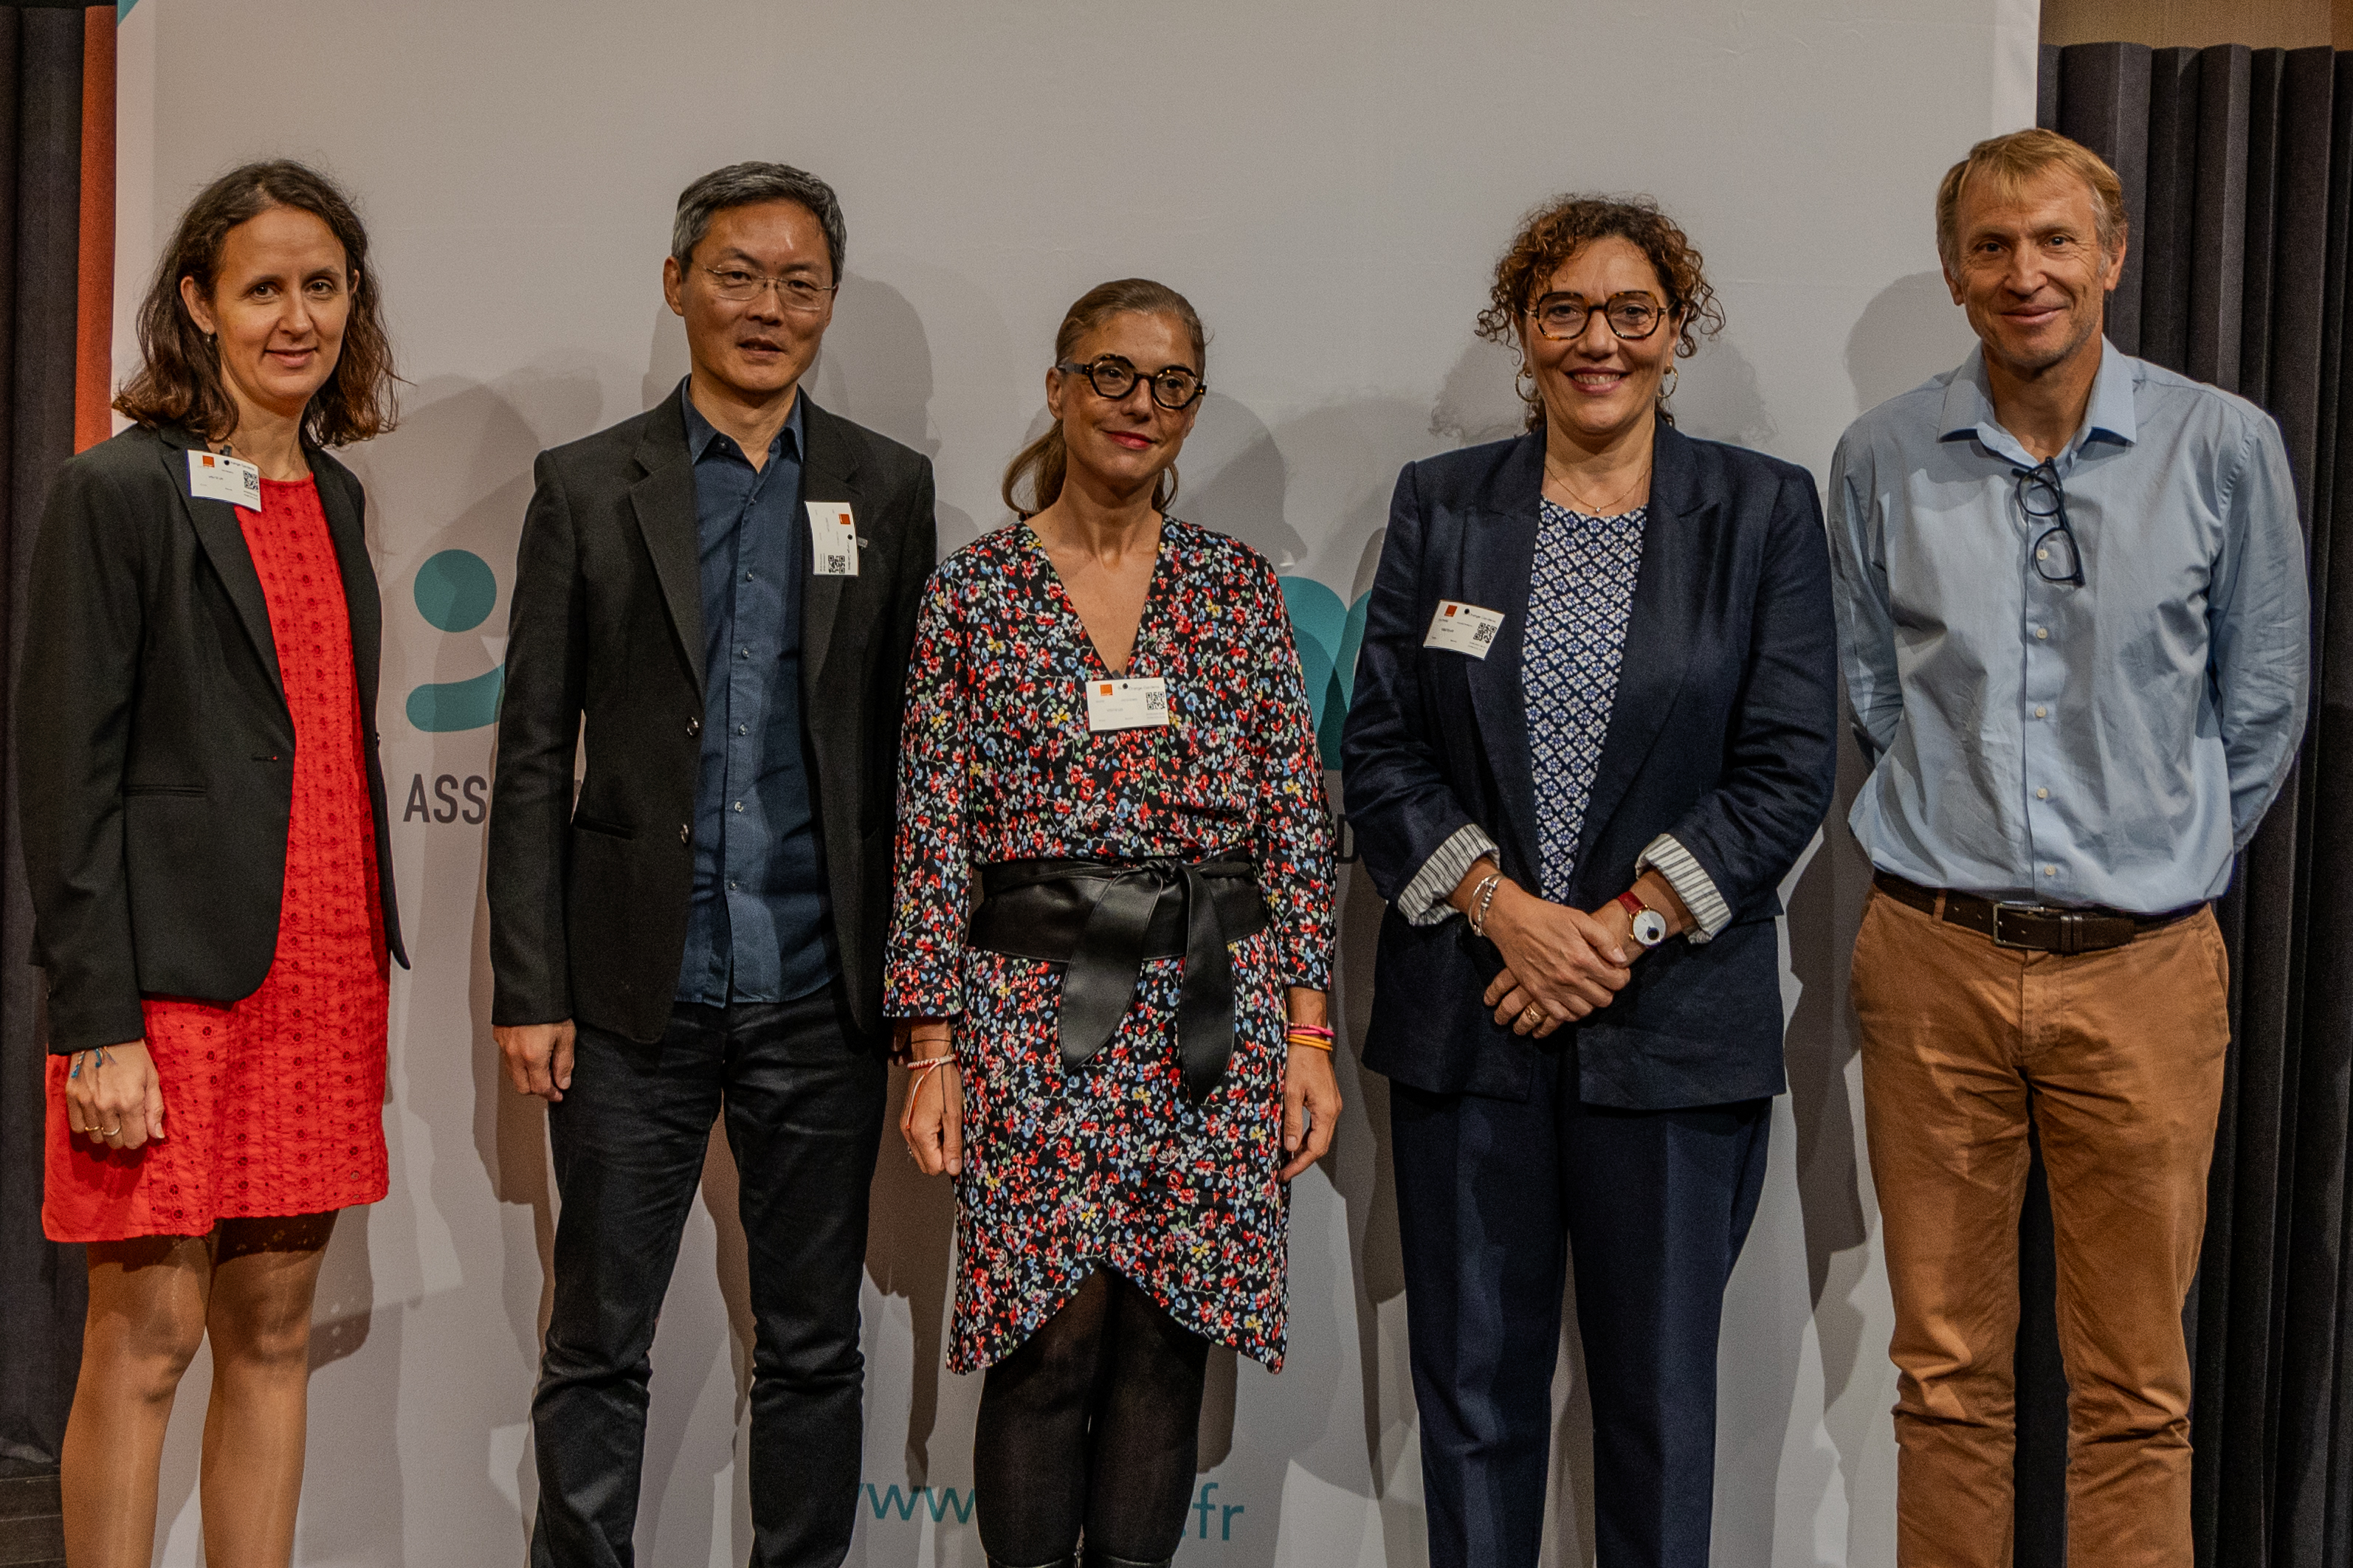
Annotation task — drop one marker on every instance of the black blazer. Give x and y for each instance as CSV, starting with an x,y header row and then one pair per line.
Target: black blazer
x,y
1723,734
589,907
155,752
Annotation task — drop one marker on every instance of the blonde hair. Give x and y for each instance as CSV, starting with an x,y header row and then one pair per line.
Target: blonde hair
x,y
2007,163
1043,463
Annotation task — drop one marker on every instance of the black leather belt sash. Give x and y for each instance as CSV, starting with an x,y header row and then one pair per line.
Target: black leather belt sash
x,y
1101,919
2044,928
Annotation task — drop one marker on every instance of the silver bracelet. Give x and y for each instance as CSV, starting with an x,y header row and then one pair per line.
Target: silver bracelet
x,y
1482,899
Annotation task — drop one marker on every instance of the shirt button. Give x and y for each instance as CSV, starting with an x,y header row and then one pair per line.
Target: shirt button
x,y
685,832
2043,795
739,806
742,729
695,726
2050,870
747,576
2038,555
2042,632
746,653
732,883
2041,712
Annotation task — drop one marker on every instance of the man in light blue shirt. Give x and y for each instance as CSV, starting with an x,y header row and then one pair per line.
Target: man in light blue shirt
x,y
2073,621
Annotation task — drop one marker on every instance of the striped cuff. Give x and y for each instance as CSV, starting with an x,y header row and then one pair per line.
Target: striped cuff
x,y
1709,912
1423,902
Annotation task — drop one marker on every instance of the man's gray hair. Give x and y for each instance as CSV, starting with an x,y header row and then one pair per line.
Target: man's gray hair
x,y
748,184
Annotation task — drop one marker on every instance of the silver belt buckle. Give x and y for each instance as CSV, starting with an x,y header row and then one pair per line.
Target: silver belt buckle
x,y
2012,907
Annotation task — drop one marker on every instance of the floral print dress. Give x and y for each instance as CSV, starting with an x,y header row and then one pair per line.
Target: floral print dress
x,y
1109,1166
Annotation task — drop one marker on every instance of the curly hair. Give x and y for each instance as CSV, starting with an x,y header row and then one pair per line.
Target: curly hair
x,y
1558,229
179,377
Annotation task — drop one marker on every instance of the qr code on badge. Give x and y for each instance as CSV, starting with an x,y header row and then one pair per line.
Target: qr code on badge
x,y
837,566
1484,635
1155,701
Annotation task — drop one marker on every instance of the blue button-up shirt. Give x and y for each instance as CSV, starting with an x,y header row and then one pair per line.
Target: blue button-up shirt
x,y
755,927
2113,744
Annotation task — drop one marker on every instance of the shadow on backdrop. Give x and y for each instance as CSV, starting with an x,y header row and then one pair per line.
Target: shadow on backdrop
x,y
1910,330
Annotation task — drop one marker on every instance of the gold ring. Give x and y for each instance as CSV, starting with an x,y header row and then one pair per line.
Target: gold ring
x,y
1533,1017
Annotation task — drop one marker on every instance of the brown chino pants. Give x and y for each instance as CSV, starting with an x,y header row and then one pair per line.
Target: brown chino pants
x,y
2118,1057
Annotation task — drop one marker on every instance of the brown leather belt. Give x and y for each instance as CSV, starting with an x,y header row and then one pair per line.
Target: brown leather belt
x,y
2043,928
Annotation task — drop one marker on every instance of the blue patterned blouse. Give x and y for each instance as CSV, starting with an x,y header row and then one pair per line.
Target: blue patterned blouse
x,y
1580,593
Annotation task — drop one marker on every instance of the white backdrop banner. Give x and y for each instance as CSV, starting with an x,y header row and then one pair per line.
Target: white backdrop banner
x,y
1330,182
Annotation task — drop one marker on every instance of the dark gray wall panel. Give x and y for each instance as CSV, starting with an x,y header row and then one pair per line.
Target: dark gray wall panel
x,y
2264,69
2104,104
44,1282
2218,229
2162,236
2300,257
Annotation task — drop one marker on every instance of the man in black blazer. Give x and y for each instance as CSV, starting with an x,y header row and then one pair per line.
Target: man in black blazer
x,y
723,590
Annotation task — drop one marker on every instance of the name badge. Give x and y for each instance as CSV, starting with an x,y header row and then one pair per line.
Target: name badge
x,y
833,538
1463,628
215,476
1126,704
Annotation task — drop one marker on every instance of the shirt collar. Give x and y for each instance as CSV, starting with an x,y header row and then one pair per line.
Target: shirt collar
x,y
701,432
1969,407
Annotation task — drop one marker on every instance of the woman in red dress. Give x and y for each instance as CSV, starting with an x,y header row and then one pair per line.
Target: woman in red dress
x,y
206,839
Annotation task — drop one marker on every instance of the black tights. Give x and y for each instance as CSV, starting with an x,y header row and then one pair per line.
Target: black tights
x,y
1092,1423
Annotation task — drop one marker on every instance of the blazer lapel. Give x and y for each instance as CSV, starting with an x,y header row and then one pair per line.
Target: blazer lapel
x,y
340,498
1499,547
1659,630
664,502
829,472
223,537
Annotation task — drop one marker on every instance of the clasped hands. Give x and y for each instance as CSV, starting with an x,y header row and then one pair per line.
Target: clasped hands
x,y
1560,963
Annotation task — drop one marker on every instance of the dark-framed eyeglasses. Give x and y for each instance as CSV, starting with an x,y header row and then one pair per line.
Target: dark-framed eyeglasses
x,y
740,284
1633,315
2056,556
1174,387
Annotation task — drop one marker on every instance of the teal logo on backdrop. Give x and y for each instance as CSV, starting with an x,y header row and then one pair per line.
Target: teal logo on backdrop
x,y
456,590
1328,633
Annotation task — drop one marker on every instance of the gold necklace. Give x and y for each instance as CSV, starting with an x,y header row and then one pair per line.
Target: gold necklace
x,y
1605,509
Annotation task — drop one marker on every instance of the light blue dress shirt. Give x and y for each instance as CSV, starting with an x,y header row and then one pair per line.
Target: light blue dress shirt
x,y
2114,743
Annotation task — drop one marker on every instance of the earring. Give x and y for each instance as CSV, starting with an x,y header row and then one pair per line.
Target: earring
x,y
1525,383
1667,387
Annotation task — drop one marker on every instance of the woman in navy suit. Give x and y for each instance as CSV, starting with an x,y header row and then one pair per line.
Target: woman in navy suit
x,y
1592,731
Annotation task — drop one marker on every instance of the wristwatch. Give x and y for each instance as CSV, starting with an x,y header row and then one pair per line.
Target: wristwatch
x,y
1650,925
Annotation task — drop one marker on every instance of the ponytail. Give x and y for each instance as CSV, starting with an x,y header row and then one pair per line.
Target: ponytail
x,y
1044,463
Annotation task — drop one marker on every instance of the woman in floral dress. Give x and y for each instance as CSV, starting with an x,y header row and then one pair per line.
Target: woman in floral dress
x,y
1114,939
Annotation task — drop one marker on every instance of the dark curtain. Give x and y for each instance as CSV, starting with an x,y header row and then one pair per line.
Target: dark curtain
x,y
41,108
2237,165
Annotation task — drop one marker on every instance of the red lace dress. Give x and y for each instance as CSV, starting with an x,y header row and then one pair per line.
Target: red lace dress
x,y
273,1105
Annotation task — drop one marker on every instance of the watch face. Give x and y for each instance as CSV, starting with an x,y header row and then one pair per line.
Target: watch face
x,y
1650,928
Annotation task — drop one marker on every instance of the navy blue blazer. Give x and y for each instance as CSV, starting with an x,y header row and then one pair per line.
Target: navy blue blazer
x,y
1723,734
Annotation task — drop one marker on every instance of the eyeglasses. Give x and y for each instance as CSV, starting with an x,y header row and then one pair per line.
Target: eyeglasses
x,y
2042,497
1632,316
737,285
1174,387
